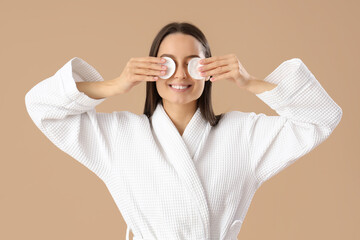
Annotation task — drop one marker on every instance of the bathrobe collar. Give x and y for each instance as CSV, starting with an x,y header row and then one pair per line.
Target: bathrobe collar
x,y
183,151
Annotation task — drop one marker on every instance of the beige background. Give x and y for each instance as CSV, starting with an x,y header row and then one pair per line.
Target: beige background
x,y
45,194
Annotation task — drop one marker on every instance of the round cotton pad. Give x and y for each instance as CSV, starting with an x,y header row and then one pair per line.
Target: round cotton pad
x,y
170,64
193,68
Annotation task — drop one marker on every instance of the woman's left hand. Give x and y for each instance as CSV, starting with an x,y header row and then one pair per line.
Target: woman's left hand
x,y
225,67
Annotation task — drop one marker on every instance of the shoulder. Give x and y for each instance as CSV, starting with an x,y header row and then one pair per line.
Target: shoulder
x,y
234,119
232,128
236,116
131,120
127,116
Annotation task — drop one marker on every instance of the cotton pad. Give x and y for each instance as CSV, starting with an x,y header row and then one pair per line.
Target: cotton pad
x,y
193,68
170,64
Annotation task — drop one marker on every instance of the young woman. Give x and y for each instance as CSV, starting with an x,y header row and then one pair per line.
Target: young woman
x,y
178,171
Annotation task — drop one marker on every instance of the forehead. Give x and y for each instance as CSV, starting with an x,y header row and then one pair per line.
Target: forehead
x,y
180,45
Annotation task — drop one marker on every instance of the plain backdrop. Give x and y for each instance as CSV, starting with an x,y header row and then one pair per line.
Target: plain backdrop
x,y
45,194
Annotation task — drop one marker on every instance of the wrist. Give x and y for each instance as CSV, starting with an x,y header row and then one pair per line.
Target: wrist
x,y
251,84
108,88
257,86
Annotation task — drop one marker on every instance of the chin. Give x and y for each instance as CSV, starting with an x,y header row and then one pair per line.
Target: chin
x,y
178,101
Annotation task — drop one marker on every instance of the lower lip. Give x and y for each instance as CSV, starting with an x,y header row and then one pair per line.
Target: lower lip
x,y
180,90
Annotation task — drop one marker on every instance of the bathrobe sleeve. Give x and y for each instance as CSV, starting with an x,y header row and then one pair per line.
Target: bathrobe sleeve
x,y
307,116
68,117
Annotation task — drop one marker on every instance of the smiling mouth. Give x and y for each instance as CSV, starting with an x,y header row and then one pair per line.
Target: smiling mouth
x,y
170,85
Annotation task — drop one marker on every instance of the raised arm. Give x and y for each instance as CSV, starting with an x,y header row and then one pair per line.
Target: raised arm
x,y
60,107
307,116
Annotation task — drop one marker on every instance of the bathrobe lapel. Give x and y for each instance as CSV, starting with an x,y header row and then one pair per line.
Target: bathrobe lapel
x,y
183,151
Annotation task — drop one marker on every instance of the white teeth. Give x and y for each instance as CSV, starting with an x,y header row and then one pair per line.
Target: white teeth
x,y
179,87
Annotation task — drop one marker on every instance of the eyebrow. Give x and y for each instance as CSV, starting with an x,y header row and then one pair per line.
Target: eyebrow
x,y
172,56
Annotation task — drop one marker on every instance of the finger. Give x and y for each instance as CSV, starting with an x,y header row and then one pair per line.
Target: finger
x,y
223,67
146,71
215,58
208,60
150,65
217,77
145,78
214,65
150,59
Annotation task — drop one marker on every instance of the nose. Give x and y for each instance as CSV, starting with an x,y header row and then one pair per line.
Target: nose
x,y
180,71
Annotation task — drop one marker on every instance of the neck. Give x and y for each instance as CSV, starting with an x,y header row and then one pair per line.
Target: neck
x,y
180,114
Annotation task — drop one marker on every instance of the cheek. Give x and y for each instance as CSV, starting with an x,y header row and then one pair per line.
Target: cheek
x,y
161,86
199,87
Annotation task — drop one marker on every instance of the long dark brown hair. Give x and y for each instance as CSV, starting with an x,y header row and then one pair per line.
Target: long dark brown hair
x,y
152,95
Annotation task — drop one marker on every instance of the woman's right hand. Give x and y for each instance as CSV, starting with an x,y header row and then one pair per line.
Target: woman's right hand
x,y
138,70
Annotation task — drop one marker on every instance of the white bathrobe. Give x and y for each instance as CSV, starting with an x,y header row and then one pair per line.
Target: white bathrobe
x,y
196,186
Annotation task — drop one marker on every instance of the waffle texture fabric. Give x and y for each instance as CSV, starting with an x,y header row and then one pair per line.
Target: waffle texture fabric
x,y
198,185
